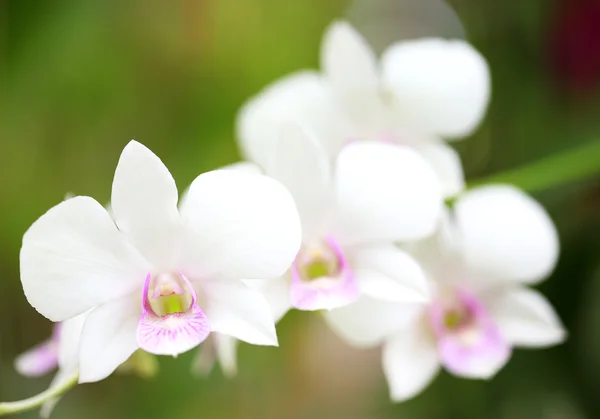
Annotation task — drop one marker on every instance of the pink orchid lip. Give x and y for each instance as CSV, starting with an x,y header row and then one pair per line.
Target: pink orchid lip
x,y
331,290
469,342
174,331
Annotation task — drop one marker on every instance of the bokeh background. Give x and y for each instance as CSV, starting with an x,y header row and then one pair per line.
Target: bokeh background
x,y
79,79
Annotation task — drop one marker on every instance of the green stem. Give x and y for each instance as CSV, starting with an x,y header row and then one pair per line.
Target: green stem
x,y
552,171
38,400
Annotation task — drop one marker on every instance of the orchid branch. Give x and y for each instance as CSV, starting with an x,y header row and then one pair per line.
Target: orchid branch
x,y
38,400
556,170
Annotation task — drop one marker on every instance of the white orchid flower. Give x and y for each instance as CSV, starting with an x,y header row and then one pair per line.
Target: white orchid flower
x,y
155,276
352,214
421,92
496,241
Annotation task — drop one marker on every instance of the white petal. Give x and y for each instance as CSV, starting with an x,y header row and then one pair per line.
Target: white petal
x,y
144,204
439,254
384,192
445,161
441,87
240,225
347,59
301,97
302,166
205,357
217,347
351,67
74,258
410,362
234,309
367,322
506,234
526,318
70,337
242,166
108,338
387,273
277,293
226,347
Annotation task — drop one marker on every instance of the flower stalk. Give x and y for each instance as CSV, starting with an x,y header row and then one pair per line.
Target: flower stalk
x,y
38,400
556,170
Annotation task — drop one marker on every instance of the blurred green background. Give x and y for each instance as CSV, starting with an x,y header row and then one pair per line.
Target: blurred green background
x,y
79,79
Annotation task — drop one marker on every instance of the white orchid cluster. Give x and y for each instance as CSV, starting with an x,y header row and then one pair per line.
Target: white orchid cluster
x,y
340,208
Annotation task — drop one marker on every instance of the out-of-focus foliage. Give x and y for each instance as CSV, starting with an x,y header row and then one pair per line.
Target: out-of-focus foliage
x,y
79,79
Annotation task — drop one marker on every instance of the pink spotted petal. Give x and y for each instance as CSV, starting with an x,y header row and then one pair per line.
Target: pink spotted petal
x,y
39,360
174,333
481,359
477,350
325,293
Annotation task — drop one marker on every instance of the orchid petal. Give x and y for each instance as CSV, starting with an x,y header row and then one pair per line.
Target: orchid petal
x,y
440,87
301,97
439,254
38,360
474,347
205,357
174,333
388,273
70,337
217,347
241,166
226,347
277,293
74,258
324,293
351,67
302,166
410,362
506,235
481,362
482,359
385,192
144,204
445,161
526,318
367,322
235,309
241,225
108,338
